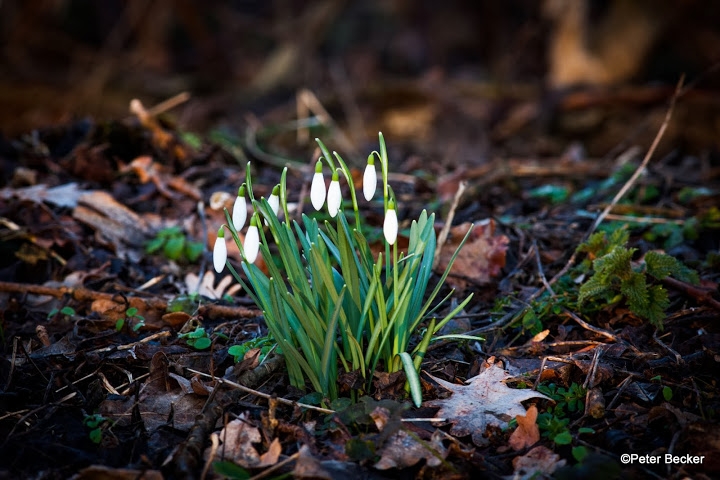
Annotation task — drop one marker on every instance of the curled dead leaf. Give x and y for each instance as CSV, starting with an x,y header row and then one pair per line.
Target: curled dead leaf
x,y
480,260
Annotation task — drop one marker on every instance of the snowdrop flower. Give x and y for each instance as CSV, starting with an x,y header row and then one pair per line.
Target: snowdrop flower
x,y
333,197
390,226
317,188
369,179
252,241
239,214
274,200
220,251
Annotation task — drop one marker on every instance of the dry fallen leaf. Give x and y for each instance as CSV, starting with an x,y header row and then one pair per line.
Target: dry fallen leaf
x,y
404,450
239,439
540,462
484,401
527,432
481,258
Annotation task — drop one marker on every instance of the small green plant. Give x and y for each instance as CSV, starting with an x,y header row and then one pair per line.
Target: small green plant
x,y
666,391
555,428
328,301
131,318
96,423
67,311
615,278
265,344
198,338
572,398
175,245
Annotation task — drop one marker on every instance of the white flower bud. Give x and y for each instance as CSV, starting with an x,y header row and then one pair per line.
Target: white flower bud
x,y
274,200
334,199
317,188
252,241
390,226
369,179
239,213
220,251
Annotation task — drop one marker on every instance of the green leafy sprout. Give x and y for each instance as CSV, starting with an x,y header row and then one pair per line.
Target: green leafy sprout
x,y
266,344
95,423
328,302
198,338
131,318
175,245
615,278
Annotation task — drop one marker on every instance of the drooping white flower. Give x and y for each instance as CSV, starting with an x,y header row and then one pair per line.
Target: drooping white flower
x,y
369,179
239,213
390,226
220,251
274,200
252,241
334,199
317,188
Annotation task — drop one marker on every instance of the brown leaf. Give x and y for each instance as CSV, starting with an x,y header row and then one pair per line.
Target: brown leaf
x,y
404,450
527,432
239,439
484,401
481,258
540,460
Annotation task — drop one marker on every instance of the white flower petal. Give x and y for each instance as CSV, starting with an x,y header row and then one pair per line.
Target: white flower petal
x,y
274,202
390,226
334,198
239,214
317,191
219,254
369,182
252,244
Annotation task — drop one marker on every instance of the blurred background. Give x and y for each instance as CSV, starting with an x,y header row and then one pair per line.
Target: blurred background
x,y
479,74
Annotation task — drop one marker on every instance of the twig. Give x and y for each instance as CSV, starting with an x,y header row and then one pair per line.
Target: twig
x,y
277,466
631,181
153,303
257,393
169,104
541,272
587,326
699,294
442,237
678,357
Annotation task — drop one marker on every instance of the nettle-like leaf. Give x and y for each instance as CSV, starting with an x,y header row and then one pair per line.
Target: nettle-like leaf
x,y
661,265
484,401
635,290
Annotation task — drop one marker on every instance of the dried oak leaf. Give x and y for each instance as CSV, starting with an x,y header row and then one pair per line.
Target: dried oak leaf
x,y
405,450
481,258
527,432
540,462
484,401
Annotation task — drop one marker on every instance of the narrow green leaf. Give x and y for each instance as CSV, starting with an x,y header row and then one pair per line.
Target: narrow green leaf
x,y
412,377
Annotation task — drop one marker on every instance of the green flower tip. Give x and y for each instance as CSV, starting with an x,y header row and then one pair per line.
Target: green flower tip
x,y
371,159
241,190
335,176
318,166
276,189
221,231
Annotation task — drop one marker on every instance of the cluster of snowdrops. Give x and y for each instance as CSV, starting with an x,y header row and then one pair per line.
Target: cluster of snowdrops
x,y
327,299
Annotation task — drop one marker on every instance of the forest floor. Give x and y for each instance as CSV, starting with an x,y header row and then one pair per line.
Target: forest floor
x,y
593,265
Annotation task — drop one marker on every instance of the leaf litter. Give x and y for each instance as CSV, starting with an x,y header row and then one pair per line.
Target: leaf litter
x,y
485,400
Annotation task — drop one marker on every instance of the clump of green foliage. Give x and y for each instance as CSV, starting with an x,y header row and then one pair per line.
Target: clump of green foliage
x,y
616,278
174,245
266,344
329,301
198,338
132,319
